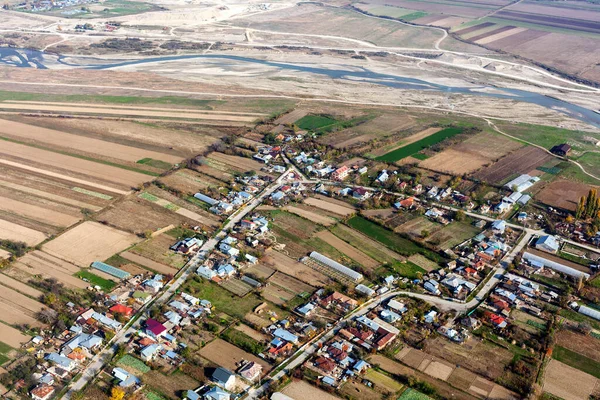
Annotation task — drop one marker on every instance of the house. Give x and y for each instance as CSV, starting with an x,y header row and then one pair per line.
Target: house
x,y
432,286
360,194
216,393
149,352
226,271
224,378
306,309
502,207
227,249
389,316
497,320
499,226
42,392
547,243
325,364
406,203
62,361
470,322
206,272
383,176
251,371
83,340
339,300
155,284
285,335
430,317
188,245
155,329
396,306
279,347
561,149
126,379
277,196
360,366
340,174
121,309
362,170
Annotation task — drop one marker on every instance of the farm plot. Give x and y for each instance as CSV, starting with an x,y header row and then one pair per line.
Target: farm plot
x,y
12,336
291,284
418,227
215,173
38,213
312,216
253,333
148,263
299,389
237,287
47,266
404,142
471,154
189,182
178,210
291,117
157,249
452,235
27,290
367,245
518,162
30,157
259,271
335,206
16,308
88,242
80,143
563,194
417,146
588,346
348,250
49,196
228,356
243,164
4,254
423,262
138,216
567,382
18,233
276,294
289,266
149,112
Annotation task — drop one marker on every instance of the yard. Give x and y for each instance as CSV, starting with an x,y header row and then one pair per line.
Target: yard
x,y
106,284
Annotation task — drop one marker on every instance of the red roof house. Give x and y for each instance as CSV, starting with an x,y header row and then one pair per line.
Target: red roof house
x,y
121,309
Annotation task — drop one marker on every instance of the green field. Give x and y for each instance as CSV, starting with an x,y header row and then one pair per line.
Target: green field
x,y
577,360
414,15
106,284
314,122
155,163
408,269
412,394
110,8
4,350
414,148
135,363
222,299
577,317
395,242
243,341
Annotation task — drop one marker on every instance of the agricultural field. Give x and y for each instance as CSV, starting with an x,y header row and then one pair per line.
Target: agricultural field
x,y
189,182
18,309
149,264
12,336
88,242
300,389
521,161
291,284
414,147
390,239
18,233
48,266
237,287
280,262
452,235
404,141
350,251
567,382
310,215
562,194
472,154
178,206
331,205
370,247
235,163
228,356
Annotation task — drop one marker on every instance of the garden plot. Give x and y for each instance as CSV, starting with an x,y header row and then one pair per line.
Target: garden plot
x,y
563,194
80,143
404,142
18,233
189,182
521,161
291,284
215,173
259,271
12,336
276,294
253,333
299,389
451,235
423,262
237,287
178,210
348,250
419,227
291,117
18,307
228,356
370,247
88,242
243,164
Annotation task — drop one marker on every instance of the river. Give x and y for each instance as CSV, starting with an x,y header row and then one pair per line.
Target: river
x,y
25,58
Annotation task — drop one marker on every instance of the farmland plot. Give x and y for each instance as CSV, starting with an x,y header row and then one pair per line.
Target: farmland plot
x,y
312,216
89,242
157,249
49,196
41,214
367,245
260,271
40,263
149,264
237,287
178,210
18,233
289,266
567,382
243,164
189,182
348,250
518,162
563,194
80,143
58,163
405,141
20,308
299,389
228,356
334,206
290,284
12,336
7,281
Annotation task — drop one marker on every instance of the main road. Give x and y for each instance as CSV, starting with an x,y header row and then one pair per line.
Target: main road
x,y
101,359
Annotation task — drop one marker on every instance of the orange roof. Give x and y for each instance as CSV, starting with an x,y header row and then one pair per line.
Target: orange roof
x,y
43,391
121,309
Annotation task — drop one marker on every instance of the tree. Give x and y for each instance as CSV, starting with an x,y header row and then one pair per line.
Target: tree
x,y
460,215
117,393
580,212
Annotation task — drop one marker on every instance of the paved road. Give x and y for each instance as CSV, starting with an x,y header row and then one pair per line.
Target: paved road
x,y
98,362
